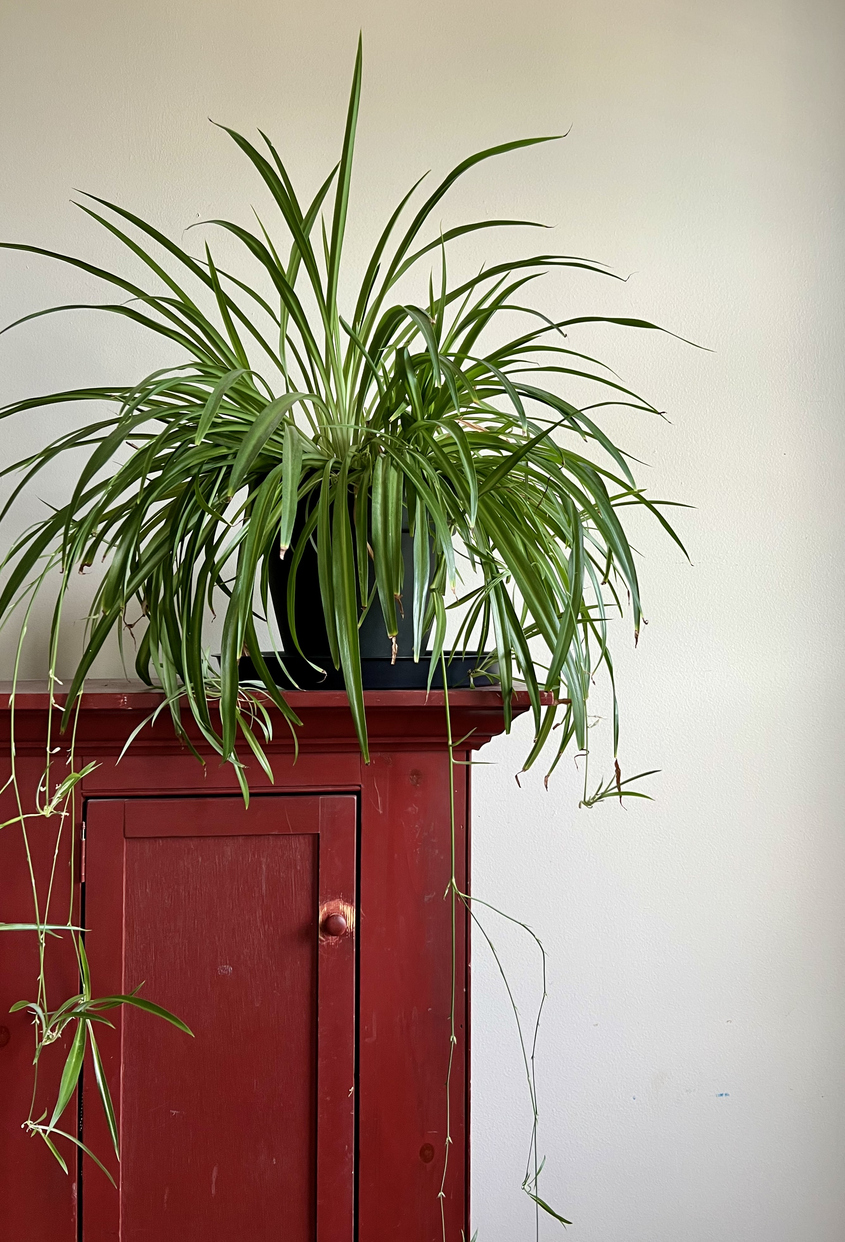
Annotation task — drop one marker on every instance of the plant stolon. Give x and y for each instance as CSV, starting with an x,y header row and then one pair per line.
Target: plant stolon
x,y
530,1182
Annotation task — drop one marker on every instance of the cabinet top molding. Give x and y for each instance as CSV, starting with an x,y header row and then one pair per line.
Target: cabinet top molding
x,y
397,719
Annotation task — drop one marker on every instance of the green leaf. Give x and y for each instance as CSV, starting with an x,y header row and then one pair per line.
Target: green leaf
x,y
212,405
422,574
293,444
423,322
324,562
301,250
461,231
341,202
541,1203
384,540
138,1002
362,533
36,1009
439,637
77,1143
54,1149
84,969
346,608
454,429
260,432
103,1090
513,459
446,184
70,1073
375,259
38,927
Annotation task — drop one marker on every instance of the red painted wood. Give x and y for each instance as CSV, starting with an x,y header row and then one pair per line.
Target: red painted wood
x,y
139,773
397,720
220,914
405,998
103,913
402,935
111,695
336,1007
37,1200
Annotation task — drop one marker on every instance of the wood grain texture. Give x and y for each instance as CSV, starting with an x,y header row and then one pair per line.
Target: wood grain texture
x,y
402,938
405,1000
37,1200
336,1086
221,1133
396,720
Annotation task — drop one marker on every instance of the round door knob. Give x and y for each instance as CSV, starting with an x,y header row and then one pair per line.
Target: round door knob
x,y
335,924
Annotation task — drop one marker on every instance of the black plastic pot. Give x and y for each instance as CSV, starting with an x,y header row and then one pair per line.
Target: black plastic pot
x,y
380,670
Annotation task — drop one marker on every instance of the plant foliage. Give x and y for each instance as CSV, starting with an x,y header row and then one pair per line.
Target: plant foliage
x,y
194,474
390,408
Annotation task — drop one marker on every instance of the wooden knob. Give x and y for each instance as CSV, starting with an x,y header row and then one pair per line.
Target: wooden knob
x,y
335,924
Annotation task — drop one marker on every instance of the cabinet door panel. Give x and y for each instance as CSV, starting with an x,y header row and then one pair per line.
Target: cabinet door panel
x,y
246,1130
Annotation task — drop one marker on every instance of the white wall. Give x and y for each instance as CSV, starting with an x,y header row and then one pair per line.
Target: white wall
x,y
690,1064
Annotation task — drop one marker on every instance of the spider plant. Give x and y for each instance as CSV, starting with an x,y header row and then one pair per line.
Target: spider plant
x,y
354,415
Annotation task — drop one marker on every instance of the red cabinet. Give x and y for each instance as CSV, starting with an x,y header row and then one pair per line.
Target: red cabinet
x,y
306,941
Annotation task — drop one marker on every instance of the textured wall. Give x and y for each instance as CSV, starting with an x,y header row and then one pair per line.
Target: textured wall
x,y
690,1064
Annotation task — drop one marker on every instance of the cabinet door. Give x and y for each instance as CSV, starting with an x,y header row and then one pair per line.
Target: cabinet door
x,y
219,913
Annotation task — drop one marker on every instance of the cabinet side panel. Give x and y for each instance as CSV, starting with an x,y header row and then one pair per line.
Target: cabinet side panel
x,y
406,986
466,783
